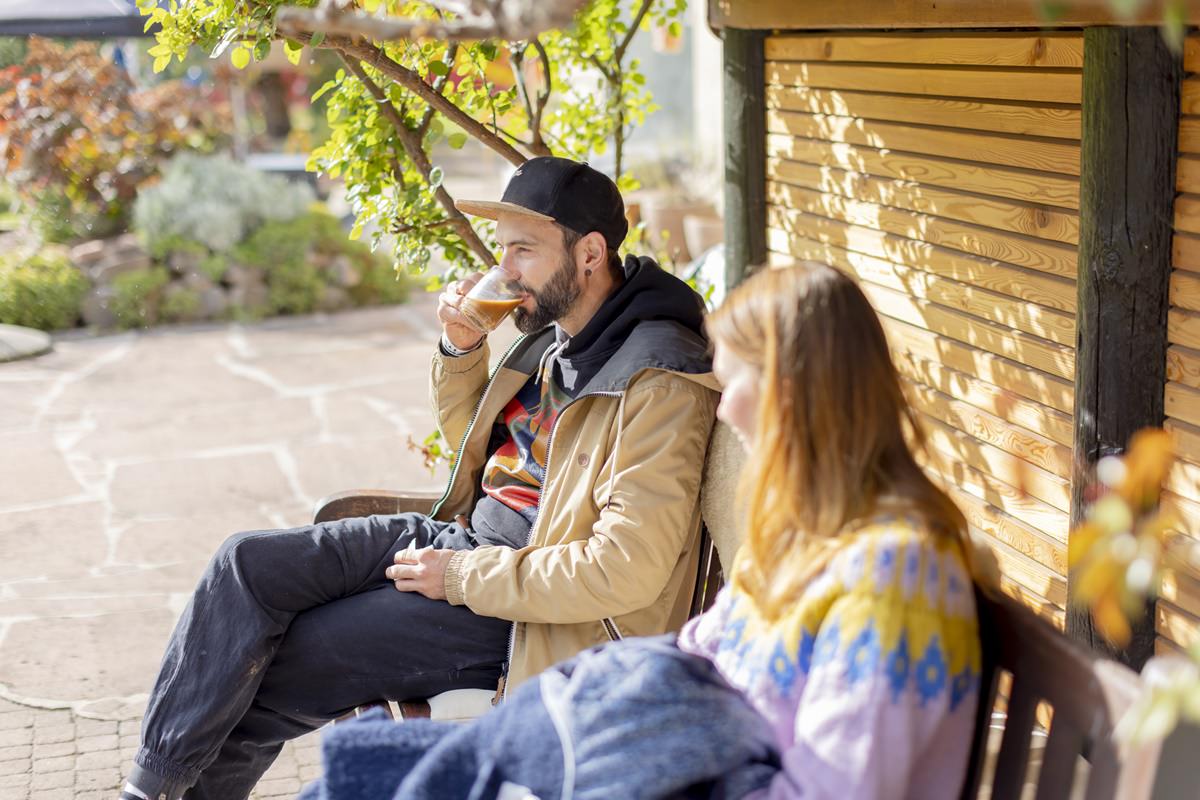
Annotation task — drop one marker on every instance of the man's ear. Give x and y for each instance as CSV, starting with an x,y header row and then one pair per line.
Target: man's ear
x,y
592,250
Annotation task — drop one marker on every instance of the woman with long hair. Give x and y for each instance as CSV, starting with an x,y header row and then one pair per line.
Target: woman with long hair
x,y
841,660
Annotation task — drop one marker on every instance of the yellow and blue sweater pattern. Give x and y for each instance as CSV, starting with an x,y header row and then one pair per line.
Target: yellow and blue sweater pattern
x,y
894,606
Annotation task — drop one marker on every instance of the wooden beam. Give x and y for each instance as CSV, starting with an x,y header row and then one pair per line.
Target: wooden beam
x,y
910,14
1131,85
745,153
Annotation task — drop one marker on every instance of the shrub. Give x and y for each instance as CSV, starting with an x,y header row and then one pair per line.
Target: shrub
x,y
294,287
76,129
136,296
179,304
381,283
43,291
214,201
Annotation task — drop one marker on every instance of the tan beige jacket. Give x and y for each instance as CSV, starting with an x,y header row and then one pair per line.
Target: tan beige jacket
x,y
613,550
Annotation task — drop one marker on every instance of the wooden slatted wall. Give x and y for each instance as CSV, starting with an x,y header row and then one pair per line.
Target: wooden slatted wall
x,y
1178,608
943,171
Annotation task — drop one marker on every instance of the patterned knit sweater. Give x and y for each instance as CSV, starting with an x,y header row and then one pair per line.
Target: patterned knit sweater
x,y
871,680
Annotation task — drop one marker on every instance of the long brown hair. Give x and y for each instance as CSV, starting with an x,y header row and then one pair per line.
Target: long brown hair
x,y
835,433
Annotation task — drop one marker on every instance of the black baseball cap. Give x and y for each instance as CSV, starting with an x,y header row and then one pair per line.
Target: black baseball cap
x,y
560,190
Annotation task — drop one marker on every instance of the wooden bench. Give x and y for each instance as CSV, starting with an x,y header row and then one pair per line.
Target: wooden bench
x,y
1023,655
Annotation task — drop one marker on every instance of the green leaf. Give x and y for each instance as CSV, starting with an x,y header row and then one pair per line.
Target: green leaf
x,y
328,85
292,50
317,38
262,49
161,63
439,68
488,50
240,57
435,177
457,140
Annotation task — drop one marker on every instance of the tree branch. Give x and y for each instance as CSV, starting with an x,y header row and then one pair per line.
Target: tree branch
x,y
619,53
508,19
539,144
416,153
377,58
412,81
441,223
439,86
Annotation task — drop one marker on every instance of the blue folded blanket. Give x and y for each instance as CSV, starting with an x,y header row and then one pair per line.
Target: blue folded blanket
x,y
634,719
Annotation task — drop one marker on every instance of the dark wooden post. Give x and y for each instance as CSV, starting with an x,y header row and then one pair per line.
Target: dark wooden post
x,y
1131,85
745,152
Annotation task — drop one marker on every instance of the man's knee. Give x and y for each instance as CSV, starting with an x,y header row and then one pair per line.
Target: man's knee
x,y
243,552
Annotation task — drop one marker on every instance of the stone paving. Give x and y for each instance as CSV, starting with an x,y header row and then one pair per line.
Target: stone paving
x,y
125,460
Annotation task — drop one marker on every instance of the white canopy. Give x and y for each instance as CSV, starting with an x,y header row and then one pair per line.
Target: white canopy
x,y
87,19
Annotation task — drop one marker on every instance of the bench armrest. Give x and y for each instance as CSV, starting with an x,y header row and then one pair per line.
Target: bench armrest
x,y
365,502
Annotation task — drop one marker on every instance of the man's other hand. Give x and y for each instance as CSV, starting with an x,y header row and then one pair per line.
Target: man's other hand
x,y
458,332
422,571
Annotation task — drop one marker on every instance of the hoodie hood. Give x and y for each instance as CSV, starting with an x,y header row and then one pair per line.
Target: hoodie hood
x,y
653,319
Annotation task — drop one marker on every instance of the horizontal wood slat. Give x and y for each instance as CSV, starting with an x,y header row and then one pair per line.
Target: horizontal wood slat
x,y
1183,590
950,16
1189,135
1025,539
1029,85
1183,366
1182,403
1025,445
1002,372
1057,122
1051,291
1190,96
1185,290
1188,512
1008,406
1013,183
985,49
1184,479
1185,252
1183,327
1037,254
1186,439
1175,623
1020,474
1187,173
1001,309
1042,581
1043,155
1187,212
1029,350
1042,222
991,490
1165,647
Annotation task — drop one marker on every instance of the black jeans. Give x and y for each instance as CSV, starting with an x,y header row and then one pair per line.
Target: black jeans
x,y
289,629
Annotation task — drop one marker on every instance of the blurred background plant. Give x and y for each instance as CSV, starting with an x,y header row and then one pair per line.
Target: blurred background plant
x,y
1119,553
78,137
213,201
40,290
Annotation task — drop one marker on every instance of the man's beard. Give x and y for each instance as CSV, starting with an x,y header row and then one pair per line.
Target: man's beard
x,y
552,302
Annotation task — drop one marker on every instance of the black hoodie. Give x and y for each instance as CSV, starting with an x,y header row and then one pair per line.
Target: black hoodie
x,y
648,293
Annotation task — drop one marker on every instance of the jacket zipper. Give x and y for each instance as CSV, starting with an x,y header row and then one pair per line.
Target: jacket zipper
x,y
512,634
470,425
